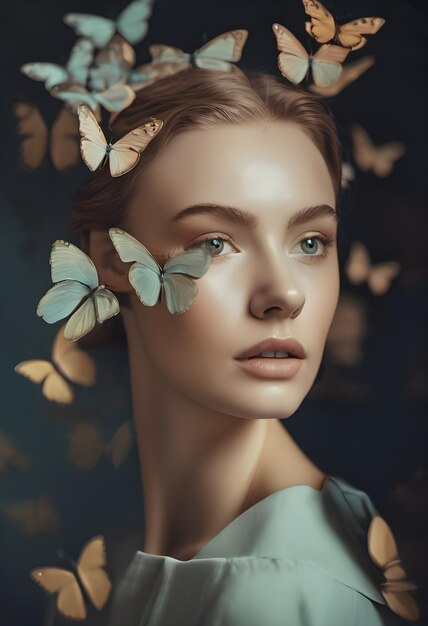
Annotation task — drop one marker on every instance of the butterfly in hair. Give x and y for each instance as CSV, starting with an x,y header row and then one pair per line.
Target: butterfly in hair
x,y
324,28
69,365
89,579
294,62
124,154
132,24
219,53
150,281
77,291
350,73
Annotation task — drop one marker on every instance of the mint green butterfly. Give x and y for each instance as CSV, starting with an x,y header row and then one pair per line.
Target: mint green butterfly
x,y
150,280
217,54
131,24
77,291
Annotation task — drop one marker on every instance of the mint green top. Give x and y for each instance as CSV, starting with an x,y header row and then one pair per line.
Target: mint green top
x,y
296,558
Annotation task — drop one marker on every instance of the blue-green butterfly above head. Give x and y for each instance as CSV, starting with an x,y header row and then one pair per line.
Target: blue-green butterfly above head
x,y
219,53
131,24
77,292
149,279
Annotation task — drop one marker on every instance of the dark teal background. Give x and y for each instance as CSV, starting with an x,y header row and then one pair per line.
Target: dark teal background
x,y
376,443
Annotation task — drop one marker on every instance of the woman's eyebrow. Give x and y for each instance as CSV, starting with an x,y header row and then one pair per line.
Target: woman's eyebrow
x,y
249,220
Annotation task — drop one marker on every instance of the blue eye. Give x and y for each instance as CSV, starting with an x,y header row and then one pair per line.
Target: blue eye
x,y
217,247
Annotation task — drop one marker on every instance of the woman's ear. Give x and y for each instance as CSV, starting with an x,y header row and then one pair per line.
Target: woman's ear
x,y
112,271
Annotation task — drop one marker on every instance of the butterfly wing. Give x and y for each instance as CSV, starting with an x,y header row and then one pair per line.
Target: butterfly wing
x,y
33,130
70,599
73,95
125,153
76,364
93,144
50,74
358,264
326,64
115,98
64,143
61,300
381,276
130,249
82,321
350,73
106,304
191,262
55,388
350,34
121,444
94,27
94,578
293,60
86,446
180,293
80,59
322,26
10,457
35,370
385,156
222,50
132,22
168,54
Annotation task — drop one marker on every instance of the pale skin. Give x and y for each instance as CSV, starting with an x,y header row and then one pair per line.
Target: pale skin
x,y
209,437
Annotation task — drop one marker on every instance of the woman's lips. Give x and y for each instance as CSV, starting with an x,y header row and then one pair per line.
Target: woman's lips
x,y
271,367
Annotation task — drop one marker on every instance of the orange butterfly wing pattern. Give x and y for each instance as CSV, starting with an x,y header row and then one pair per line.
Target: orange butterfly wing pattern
x,y
90,568
324,28
70,601
359,269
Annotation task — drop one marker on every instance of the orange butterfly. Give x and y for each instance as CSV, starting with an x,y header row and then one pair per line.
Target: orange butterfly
x,y
62,143
323,27
359,269
36,516
383,550
380,159
87,445
91,576
69,364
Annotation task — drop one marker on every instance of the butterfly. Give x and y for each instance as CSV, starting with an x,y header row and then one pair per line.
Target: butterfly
x,y
69,364
124,154
87,445
217,54
294,62
383,550
89,575
116,98
62,143
350,73
10,457
380,159
114,63
77,291
36,516
324,28
150,280
359,269
131,24
76,69
348,174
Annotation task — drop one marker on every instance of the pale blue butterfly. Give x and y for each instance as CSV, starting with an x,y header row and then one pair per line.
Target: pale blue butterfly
x,y
77,291
150,280
76,69
131,24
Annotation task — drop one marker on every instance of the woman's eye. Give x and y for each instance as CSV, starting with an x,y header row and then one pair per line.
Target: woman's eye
x,y
313,247
214,245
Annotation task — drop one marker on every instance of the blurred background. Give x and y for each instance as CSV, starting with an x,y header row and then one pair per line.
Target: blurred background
x,y
68,464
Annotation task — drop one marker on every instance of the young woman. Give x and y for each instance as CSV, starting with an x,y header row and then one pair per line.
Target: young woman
x,y
241,527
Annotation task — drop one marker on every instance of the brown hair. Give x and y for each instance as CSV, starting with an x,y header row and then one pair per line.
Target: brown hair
x,y
198,98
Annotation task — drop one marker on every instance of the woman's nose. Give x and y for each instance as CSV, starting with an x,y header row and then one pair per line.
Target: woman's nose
x,y
275,291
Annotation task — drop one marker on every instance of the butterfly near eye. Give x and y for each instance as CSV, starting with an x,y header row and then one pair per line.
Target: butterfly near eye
x,y
35,516
324,28
61,143
359,269
69,365
89,577
124,154
379,159
150,281
77,292
396,589
10,457
87,445
219,53
350,73
132,24
294,62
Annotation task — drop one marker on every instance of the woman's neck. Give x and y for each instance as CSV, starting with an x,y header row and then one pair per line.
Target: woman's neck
x,y
201,468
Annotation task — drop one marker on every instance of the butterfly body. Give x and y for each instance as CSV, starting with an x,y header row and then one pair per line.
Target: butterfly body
x,y
151,281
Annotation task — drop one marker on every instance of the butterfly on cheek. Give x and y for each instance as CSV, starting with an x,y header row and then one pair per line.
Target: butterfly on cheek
x,y
151,281
124,154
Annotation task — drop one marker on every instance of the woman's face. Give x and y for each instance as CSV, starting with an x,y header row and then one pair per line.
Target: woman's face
x,y
266,279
